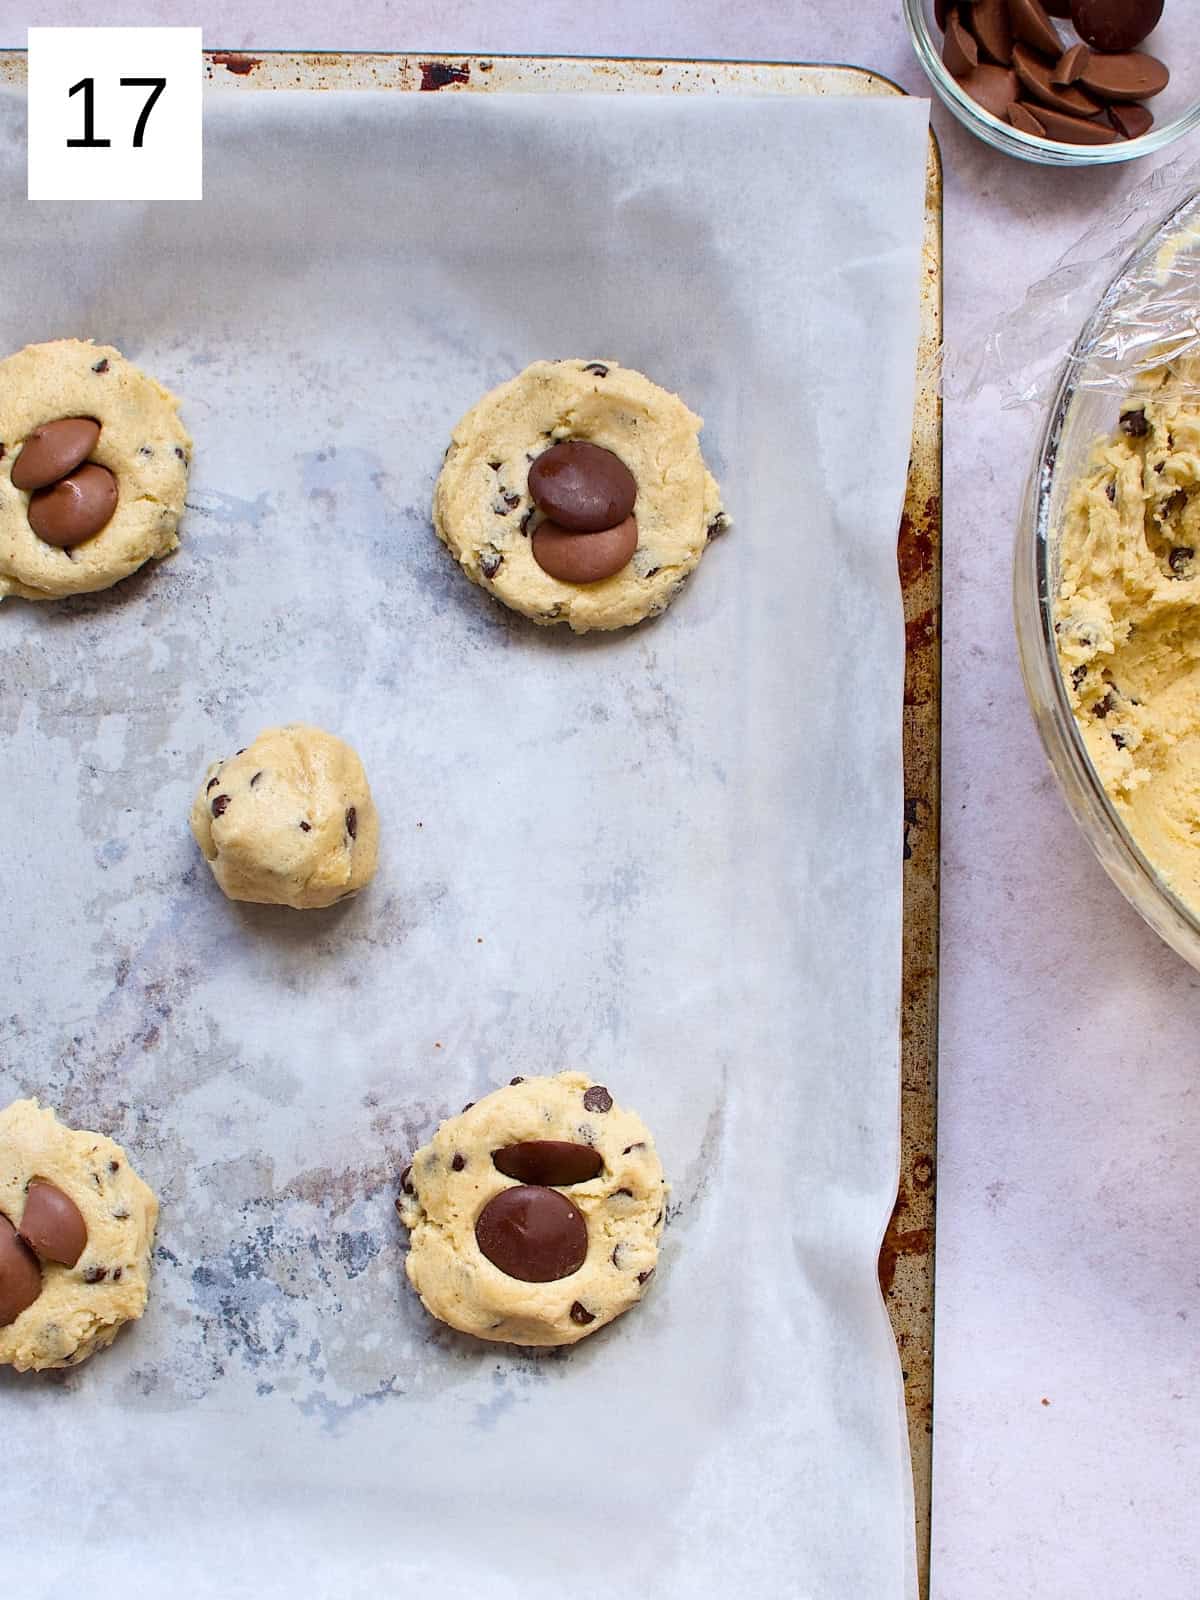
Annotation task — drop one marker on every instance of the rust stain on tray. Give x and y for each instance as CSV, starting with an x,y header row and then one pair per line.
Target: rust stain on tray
x,y
440,74
235,61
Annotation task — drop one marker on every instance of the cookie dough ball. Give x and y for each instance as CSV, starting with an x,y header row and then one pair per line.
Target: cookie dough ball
x,y
288,821
93,469
536,1214
76,1227
488,505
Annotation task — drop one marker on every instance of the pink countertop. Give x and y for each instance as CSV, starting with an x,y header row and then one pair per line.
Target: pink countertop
x,y
1067,1433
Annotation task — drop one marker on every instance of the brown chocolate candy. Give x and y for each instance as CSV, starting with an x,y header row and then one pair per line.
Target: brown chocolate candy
x,y
597,1098
1024,118
1075,130
1132,120
584,557
959,50
1115,24
52,1224
1036,77
53,450
74,508
548,1162
1070,64
1132,76
533,1234
582,487
20,1275
1031,24
992,28
995,88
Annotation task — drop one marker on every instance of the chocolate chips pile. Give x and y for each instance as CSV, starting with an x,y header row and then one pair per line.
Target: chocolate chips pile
x,y
585,494
1007,55
52,1229
70,498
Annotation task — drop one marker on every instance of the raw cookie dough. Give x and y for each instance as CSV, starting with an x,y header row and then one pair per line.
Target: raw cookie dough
x,y
454,1177
142,443
483,512
1128,619
81,1308
288,821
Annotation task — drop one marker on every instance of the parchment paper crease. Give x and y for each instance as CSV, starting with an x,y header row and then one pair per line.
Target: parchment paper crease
x,y
670,857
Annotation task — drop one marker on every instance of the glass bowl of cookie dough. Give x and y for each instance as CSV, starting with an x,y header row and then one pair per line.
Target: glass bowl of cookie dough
x,y
1107,580
1175,110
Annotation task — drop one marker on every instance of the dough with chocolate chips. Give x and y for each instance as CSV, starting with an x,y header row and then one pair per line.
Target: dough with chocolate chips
x,y
483,512
288,821
80,1309
1128,618
454,1177
142,443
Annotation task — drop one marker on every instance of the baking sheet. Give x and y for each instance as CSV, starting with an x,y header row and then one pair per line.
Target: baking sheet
x,y
707,914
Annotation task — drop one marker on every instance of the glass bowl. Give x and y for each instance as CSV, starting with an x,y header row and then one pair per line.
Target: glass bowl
x,y
1176,110
1086,407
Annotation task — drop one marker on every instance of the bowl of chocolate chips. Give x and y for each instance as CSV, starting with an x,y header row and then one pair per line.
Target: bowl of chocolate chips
x,y
1067,83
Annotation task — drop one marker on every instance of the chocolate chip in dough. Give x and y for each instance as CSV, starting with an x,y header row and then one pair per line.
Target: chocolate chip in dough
x,y
460,1161
1031,24
100,366
579,1313
406,1182
1115,24
552,1162
95,1274
597,1098
644,1277
490,562
75,508
53,450
582,487
1134,424
584,558
1132,76
20,1275
994,88
305,827
220,805
597,368
512,1082
52,1224
1181,559
352,822
533,1234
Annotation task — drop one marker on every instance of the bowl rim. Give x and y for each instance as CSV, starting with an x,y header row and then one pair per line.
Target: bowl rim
x,y
1034,596
1004,136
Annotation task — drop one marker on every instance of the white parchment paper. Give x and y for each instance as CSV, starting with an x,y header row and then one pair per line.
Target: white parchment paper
x,y
671,857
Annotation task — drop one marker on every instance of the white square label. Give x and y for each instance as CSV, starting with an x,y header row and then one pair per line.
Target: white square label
x,y
115,113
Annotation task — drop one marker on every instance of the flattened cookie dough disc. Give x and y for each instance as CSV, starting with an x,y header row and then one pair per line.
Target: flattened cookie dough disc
x,y
82,1307
142,443
489,1152
288,821
484,513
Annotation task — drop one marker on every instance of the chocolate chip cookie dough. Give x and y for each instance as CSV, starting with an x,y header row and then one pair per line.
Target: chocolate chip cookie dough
x,y
576,492
289,820
536,1214
93,469
76,1227
1128,619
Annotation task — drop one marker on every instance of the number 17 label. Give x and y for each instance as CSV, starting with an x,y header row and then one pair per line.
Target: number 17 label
x,y
115,113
